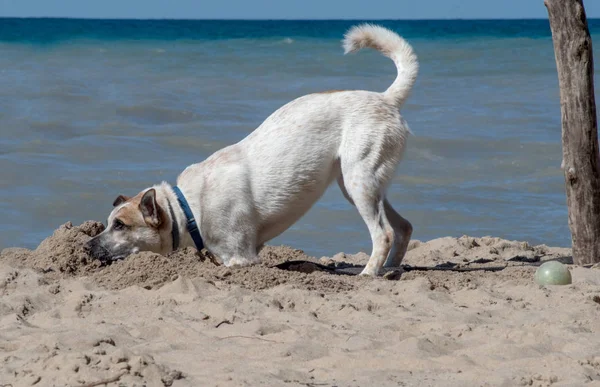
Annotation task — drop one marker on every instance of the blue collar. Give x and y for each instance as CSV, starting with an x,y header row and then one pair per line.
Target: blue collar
x,y
192,227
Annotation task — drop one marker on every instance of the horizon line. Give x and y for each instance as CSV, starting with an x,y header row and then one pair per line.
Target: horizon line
x,y
273,19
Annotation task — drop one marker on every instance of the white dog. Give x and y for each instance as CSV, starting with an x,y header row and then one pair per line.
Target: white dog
x,y
250,192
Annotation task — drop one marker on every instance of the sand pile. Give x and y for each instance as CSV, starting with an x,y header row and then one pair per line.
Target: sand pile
x,y
464,311
62,256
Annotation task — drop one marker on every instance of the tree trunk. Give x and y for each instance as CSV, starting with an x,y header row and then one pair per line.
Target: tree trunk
x,y
574,61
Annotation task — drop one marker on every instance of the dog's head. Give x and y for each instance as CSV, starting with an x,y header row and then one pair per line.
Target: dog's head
x,y
135,224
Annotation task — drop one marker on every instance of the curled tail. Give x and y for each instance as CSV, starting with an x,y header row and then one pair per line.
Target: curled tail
x,y
393,46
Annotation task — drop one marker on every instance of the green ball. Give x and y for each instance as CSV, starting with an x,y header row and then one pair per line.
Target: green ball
x,y
553,273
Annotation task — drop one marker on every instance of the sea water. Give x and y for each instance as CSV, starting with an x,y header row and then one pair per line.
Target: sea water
x,y
90,109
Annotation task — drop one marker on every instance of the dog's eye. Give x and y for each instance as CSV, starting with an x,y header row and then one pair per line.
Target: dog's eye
x,y
118,225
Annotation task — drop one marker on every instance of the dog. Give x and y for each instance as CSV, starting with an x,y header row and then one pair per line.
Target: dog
x,y
248,193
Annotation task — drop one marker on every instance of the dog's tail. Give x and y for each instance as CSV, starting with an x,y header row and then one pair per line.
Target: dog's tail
x,y
393,46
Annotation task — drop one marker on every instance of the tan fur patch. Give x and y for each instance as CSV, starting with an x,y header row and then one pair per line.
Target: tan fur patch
x,y
130,213
371,41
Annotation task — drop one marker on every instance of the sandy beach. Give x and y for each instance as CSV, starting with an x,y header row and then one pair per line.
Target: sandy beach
x,y
464,311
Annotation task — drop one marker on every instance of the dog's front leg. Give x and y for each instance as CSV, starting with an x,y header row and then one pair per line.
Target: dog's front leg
x,y
240,261
238,248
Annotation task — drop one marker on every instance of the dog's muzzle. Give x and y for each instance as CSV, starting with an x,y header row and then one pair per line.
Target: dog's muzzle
x,y
96,250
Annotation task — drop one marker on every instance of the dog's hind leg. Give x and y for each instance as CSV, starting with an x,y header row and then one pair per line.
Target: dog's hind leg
x,y
364,191
402,229
340,180
402,233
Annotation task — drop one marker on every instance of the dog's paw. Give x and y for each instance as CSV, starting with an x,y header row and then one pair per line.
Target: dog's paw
x,y
369,272
237,261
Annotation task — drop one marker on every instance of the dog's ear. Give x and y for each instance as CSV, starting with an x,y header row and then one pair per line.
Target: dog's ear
x,y
120,199
149,208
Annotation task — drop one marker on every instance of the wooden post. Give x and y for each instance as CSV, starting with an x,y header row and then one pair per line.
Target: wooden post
x,y
575,65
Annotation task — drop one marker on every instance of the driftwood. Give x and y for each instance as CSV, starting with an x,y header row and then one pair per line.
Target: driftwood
x,y
575,65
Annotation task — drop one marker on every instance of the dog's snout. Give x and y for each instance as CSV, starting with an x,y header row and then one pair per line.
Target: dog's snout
x,y
93,249
97,249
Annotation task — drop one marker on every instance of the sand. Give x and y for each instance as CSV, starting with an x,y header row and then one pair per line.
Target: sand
x,y
463,312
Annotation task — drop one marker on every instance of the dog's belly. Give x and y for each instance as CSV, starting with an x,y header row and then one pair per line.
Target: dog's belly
x,y
292,158
275,221
281,202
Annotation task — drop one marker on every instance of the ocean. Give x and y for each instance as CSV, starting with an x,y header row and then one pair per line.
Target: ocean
x,y
90,109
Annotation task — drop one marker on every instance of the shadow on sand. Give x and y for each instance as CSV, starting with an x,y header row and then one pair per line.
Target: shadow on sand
x,y
342,268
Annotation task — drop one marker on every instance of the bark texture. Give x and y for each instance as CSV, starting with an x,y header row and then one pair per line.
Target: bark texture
x,y
575,65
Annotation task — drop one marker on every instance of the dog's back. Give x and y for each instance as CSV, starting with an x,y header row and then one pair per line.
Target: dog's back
x,y
311,139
